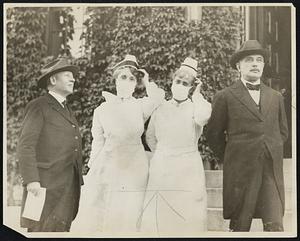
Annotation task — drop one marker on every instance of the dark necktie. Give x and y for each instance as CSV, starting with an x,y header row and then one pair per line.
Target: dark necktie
x,y
252,87
66,107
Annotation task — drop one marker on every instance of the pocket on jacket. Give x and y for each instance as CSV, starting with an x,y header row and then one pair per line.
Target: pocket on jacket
x,y
59,125
44,165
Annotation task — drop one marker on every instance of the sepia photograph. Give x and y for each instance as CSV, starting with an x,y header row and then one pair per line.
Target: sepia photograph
x,y
149,120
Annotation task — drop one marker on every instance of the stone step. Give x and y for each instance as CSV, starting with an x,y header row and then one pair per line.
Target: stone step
x,y
288,165
215,198
214,179
214,183
11,218
217,223
215,220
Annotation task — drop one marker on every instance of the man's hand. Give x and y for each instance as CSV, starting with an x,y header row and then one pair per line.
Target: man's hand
x,y
34,188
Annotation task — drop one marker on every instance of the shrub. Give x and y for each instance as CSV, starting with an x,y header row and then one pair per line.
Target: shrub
x,y
160,38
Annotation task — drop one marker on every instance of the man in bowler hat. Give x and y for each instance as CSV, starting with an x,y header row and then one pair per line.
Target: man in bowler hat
x,y
49,150
247,130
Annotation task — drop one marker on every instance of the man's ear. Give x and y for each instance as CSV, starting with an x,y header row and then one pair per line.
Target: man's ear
x,y
237,66
52,80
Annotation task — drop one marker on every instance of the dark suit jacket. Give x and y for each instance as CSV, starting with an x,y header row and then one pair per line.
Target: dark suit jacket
x,y
49,146
237,132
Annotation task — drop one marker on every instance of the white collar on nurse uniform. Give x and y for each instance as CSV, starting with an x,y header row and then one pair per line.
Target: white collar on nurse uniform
x,y
110,97
174,102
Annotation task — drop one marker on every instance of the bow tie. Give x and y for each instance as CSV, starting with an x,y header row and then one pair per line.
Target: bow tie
x,y
252,87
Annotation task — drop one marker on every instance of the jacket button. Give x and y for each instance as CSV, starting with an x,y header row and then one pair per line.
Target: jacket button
x,y
76,149
76,137
73,126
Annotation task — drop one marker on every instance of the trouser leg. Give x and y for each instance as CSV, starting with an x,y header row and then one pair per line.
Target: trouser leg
x,y
242,218
269,204
34,228
62,215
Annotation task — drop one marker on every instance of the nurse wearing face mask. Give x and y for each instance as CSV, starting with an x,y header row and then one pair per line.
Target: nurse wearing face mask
x,y
114,186
175,201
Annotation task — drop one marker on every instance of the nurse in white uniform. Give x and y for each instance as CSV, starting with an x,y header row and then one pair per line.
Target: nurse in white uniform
x,y
115,185
175,201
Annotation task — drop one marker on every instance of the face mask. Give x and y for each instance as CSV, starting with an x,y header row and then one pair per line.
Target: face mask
x,y
125,89
179,91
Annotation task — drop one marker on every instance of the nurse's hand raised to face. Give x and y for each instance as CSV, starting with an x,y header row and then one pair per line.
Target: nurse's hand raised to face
x,y
145,78
198,87
197,94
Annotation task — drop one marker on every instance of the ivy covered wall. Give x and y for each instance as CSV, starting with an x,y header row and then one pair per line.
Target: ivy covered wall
x,y
160,37
26,53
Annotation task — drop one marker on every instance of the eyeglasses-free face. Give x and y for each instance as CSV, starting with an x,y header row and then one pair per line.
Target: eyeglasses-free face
x,y
128,77
125,74
183,78
62,82
251,67
125,83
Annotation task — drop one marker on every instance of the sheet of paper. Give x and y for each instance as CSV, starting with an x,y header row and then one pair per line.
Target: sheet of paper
x,y
34,205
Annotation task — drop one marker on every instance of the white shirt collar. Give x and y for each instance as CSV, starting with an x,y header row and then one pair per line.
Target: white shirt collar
x,y
253,83
174,102
57,96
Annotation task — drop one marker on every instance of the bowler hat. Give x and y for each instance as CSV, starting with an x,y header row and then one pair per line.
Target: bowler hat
x,y
249,47
58,65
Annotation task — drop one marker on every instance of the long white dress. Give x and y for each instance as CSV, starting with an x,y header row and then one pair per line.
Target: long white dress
x,y
113,193
175,201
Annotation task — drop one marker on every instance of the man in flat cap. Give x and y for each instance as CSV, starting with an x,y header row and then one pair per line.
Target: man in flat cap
x,y
247,130
49,151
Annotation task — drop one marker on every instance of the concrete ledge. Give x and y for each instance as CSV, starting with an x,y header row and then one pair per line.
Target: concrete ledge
x,y
215,198
215,220
214,179
217,223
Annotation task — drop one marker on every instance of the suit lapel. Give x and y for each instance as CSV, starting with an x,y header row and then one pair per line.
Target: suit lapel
x,y
57,106
266,98
72,114
242,94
